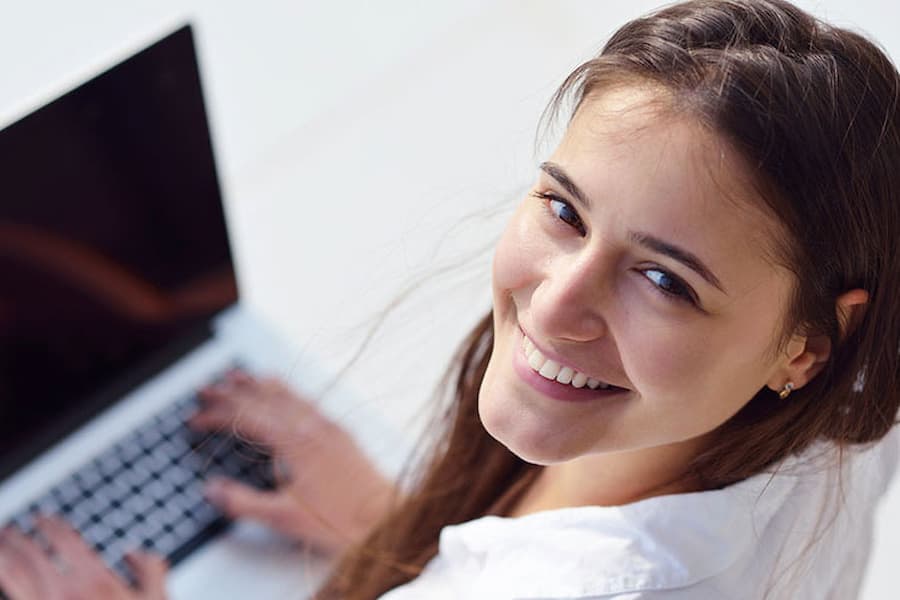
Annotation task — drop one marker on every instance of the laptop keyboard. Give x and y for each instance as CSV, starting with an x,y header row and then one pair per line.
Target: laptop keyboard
x,y
146,490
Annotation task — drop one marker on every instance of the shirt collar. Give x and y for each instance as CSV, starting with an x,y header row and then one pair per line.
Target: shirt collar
x,y
659,543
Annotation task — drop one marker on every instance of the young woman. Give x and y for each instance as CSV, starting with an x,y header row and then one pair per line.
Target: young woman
x,y
692,350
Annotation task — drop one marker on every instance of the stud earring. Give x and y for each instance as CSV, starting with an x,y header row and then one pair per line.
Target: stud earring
x,y
786,390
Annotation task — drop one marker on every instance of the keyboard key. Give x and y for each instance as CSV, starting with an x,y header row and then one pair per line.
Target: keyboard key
x,y
88,477
130,450
118,519
109,464
205,513
67,493
150,435
185,529
25,523
46,505
80,516
166,543
138,504
96,533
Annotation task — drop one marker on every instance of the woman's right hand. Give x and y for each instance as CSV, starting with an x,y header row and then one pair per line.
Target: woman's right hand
x,y
328,493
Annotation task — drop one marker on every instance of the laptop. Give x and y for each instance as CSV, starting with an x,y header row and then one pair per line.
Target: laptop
x,y
118,301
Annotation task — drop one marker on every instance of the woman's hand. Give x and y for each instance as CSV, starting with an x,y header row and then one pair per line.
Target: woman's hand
x,y
329,494
71,570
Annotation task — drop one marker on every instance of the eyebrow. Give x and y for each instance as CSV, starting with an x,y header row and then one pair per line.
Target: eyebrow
x,y
646,240
681,255
557,173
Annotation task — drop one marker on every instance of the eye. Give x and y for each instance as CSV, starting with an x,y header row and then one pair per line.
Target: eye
x,y
563,211
669,285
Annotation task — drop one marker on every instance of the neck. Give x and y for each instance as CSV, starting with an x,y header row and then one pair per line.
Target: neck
x,y
611,479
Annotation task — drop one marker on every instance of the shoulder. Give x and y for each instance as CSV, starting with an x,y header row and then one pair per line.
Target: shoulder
x,y
647,550
779,534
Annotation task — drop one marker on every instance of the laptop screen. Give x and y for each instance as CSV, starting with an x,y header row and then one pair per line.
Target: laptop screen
x,y
113,248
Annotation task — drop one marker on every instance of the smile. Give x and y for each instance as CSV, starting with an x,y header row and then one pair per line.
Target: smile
x,y
554,371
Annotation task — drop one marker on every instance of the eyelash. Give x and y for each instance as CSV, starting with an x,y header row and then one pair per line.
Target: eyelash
x,y
684,293
550,198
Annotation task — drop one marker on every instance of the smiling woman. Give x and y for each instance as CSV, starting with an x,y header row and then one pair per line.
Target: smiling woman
x,y
693,337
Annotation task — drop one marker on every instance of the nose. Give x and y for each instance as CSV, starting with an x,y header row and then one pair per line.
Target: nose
x,y
571,300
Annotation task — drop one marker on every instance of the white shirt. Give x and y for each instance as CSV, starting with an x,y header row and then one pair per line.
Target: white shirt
x,y
797,534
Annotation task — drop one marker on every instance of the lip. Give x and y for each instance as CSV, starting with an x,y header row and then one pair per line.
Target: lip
x,y
549,354
554,389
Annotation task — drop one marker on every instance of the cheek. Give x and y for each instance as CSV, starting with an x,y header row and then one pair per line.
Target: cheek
x,y
664,359
515,257
711,370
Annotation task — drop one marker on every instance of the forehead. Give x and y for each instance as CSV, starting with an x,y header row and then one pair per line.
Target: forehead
x,y
664,173
635,130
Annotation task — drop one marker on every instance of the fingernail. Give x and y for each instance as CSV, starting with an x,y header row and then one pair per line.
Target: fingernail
x,y
214,491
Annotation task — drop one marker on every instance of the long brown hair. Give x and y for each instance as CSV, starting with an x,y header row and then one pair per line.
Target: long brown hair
x,y
814,111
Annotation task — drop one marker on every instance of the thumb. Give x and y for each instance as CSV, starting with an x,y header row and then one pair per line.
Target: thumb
x,y
237,500
149,573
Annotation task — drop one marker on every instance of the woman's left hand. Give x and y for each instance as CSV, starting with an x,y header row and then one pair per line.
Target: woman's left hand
x,y
73,571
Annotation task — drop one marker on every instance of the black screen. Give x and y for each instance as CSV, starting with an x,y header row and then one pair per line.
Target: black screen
x,y
113,248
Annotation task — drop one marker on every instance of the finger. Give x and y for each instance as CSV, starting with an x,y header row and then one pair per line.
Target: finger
x,y
222,414
225,401
226,421
232,382
32,554
238,376
237,500
149,573
212,419
217,393
15,579
71,548
25,569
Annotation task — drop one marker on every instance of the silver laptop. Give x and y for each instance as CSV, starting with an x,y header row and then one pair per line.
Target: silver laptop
x,y
118,300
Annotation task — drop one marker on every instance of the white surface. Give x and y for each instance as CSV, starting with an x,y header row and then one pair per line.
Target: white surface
x,y
352,136
248,562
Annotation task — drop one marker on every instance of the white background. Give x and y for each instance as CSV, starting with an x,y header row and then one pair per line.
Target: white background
x,y
366,148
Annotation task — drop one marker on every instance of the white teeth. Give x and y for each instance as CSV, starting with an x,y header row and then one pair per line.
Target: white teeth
x,y
529,346
565,375
550,369
536,360
596,383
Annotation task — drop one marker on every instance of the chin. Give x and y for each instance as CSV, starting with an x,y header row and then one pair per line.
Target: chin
x,y
533,444
540,457
532,449
509,419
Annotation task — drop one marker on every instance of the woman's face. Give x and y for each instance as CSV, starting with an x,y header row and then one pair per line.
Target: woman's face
x,y
637,260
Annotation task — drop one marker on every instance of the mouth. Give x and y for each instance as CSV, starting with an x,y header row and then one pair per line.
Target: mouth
x,y
557,380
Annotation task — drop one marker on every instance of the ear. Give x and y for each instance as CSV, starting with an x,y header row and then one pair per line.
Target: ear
x,y
806,356
851,306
